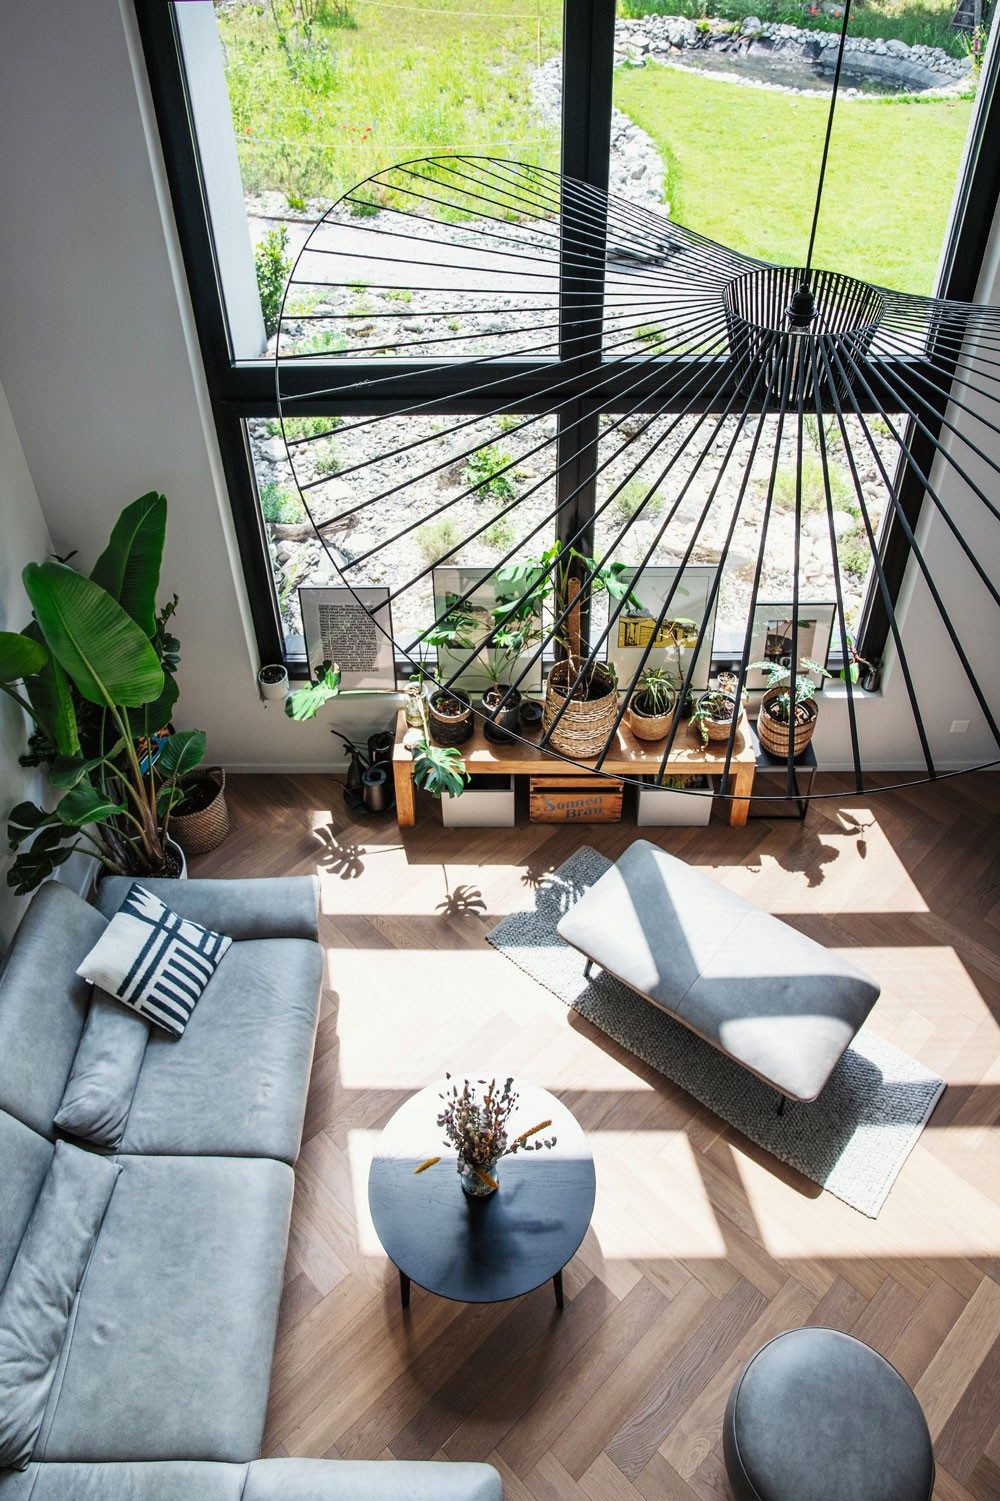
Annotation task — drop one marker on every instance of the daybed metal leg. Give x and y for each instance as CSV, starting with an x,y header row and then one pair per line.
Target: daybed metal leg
x,y
587,968
781,1104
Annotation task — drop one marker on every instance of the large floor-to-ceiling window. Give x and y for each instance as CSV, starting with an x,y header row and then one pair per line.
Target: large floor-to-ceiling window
x,y
273,112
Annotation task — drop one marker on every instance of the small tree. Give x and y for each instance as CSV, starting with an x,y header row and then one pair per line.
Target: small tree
x,y
272,265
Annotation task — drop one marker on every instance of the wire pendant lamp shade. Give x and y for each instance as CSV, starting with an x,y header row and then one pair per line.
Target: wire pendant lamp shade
x,y
593,372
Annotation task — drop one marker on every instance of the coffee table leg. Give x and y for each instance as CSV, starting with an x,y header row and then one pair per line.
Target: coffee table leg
x,y
404,1289
557,1284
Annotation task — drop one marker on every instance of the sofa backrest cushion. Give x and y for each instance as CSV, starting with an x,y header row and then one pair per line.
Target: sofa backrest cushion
x,y
41,1287
43,1004
283,907
98,1095
25,1156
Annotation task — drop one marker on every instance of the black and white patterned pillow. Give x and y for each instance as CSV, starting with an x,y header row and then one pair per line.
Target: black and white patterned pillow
x,y
154,960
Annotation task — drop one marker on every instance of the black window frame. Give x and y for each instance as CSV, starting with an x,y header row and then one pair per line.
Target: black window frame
x,y
241,390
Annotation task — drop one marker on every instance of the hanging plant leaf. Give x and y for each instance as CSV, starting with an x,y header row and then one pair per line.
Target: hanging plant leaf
x,y
101,648
20,657
129,567
305,703
37,864
24,820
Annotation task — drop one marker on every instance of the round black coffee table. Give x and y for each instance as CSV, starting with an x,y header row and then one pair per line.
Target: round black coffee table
x,y
481,1250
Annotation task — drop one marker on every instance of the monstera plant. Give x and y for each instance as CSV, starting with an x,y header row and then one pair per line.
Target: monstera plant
x,y
95,672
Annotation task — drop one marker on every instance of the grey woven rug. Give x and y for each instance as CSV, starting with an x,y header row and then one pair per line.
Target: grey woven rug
x,y
853,1140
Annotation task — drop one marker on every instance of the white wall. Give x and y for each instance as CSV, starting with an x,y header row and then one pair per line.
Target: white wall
x,y
103,376
25,539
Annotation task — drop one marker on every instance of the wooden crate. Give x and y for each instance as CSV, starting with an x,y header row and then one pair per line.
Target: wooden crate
x,y
563,799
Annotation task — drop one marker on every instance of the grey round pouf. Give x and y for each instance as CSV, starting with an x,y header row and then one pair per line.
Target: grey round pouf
x,y
819,1416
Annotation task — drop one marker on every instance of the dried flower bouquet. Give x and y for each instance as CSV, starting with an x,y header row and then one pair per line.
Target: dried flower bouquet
x,y
478,1129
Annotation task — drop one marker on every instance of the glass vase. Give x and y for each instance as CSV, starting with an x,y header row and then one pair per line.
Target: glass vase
x,y
472,1183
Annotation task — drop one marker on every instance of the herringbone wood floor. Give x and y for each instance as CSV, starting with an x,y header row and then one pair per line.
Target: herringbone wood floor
x,y
701,1246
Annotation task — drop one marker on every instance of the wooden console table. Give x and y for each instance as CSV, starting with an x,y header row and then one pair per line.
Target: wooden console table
x,y
630,757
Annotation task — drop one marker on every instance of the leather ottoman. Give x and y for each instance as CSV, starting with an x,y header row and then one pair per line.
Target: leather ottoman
x,y
819,1416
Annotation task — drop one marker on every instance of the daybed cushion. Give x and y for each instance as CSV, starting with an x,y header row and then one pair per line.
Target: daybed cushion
x,y
370,1480
43,1004
168,1480
236,1082
285,907
766,995
39,1293
170,1351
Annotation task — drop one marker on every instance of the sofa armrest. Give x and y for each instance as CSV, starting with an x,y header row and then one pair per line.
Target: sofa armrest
x,y
370,1480
281,907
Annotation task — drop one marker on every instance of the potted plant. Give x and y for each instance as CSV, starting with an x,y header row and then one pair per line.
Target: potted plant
x,y
95,672
781,724
272,681
714,712
450,714
651,708
580,694
514,624
674,801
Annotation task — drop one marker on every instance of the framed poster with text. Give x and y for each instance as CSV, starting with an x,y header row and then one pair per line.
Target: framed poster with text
x,y
677,635
352,627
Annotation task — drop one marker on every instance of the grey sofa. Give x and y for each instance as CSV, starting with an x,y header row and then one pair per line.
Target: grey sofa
x,y
153,1385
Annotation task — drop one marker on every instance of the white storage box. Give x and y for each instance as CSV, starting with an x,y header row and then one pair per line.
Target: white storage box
x,y
486,803
659,807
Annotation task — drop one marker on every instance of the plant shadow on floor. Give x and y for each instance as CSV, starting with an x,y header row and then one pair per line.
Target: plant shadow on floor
x,y
464,901
341,857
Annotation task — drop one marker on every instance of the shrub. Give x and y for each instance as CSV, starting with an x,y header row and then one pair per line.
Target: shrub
x,y
272,265
500,535
327,341
482,470
813,488
324,456
302,427
436,539
279,504
632,500
854,554
398,294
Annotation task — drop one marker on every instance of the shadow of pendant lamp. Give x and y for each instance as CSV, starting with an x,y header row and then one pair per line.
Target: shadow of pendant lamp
x,y
598,386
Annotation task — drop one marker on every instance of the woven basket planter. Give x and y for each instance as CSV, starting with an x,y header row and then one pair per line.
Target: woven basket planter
x,y
198,833
649,726
718,729
774,736
584,728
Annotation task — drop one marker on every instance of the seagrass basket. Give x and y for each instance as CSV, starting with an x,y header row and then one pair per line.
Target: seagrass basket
x,y
774,736
649,726
204,830
585,727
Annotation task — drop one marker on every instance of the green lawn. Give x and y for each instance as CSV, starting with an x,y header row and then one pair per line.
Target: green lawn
x,y
369,85
742,162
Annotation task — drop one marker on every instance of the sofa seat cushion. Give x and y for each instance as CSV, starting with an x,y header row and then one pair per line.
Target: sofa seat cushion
x,y
38,1296
236,1082
369,1480
170,1351
760,991
281,907
167,1480
43,1003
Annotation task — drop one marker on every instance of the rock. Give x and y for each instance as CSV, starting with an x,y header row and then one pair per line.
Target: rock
x,y
273,450
750,26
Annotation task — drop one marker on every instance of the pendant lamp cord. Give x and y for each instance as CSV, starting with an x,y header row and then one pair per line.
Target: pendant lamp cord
x,y
829,132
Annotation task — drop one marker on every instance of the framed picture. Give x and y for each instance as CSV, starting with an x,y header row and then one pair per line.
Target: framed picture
x,y
474,620
677,636
771,637
352,627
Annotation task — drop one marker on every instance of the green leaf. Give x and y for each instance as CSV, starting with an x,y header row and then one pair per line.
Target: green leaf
x,y
305,703
181,753
87,804
20,657
105,653
129,567
66,771
156,715
51,700
24,820
35,865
